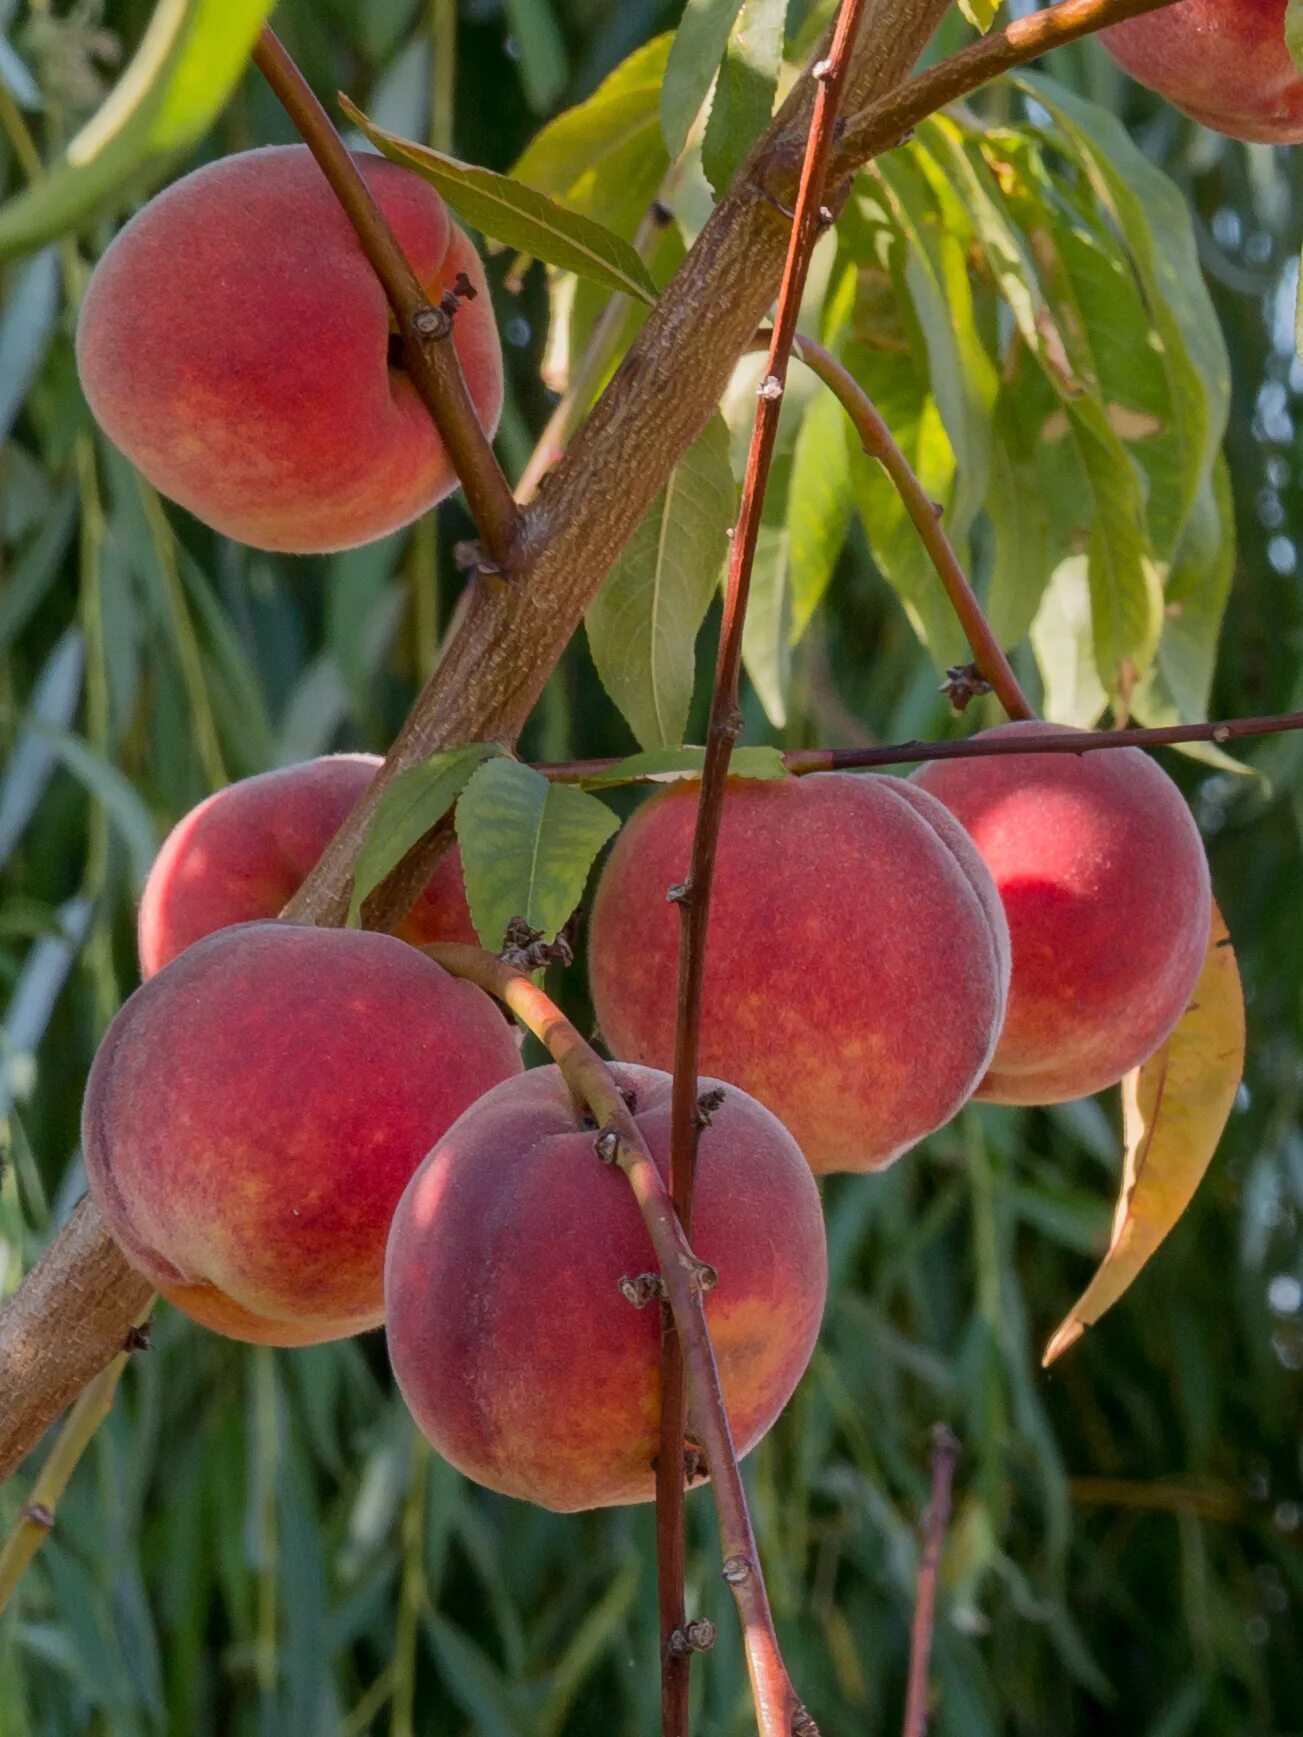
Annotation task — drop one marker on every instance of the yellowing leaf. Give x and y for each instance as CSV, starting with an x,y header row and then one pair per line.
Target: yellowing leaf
x,y
1174,1108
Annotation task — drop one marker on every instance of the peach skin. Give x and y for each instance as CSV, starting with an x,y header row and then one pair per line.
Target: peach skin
x,y
856,962
257,1108
243,852
1105,884
512,1343
235,344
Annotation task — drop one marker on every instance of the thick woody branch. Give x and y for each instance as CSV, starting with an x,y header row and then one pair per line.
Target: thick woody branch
x,y
890,119
619,1140
429,356
510,637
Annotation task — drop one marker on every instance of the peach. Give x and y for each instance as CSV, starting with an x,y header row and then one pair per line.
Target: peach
x,y
1104,881
234,343
509,1336
257,1108
244,851
1224,62
856,962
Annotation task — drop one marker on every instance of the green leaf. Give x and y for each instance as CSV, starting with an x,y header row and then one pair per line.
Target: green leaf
x,y
980,13
1152,215
767,630
613,135
519,216
819,506
1294,31
25,331
542,58
415,801
189,61
743,102
698,47
1063,639
526,848
674,765
642,626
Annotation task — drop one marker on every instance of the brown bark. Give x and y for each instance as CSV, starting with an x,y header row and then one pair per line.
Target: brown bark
x,y
70,1317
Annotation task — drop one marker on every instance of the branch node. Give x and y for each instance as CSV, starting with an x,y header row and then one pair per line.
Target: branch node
x,y
679,894
469,556
37,1514
707,1104
1221,735
645,1288
524,947
607,1145
694,1464
803,1724
770,389
738,1570
137,1338
431,324
964,683
704,1276
822,69
693,1637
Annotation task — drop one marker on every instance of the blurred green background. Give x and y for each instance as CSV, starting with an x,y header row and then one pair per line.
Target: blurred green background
x,y
256,1543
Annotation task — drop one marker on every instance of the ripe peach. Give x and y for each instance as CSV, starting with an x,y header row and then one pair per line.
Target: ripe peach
x,y
512,1344
235,344
256,1110
1224,62
1105,884
856,966
244,851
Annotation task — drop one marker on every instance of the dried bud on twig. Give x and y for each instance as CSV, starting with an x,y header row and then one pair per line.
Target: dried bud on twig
x,y
964,683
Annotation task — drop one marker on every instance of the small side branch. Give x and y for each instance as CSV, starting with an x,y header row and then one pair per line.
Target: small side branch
x,y
431,359
876,439
778,1711
891,119
945,1455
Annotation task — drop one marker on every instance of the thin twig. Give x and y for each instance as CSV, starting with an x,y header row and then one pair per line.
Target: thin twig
x,y
945,1454
37,1516
892,118
431,361
808,221
982,747
876,439
778,1713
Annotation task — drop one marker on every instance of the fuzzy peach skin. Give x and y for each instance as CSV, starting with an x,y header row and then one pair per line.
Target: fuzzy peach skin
x,y
234,344
244,851
856,963
1105,885
256,1110
513,1346
1224,62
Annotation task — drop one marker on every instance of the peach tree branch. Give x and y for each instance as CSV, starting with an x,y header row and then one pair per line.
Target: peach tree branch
x,y
431,360
945,1456
891,118
877,440
57,1333
619,1140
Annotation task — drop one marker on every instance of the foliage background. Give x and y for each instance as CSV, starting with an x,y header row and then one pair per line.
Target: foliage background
x,y
255,1543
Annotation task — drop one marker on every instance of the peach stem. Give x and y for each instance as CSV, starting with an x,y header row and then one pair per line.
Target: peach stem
x,y
431,361
619,1141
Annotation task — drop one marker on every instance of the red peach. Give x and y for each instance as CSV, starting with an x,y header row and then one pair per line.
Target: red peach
x,y
1105,884
509,1336
257,1108
1224,62
234,343
856,961
244,851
